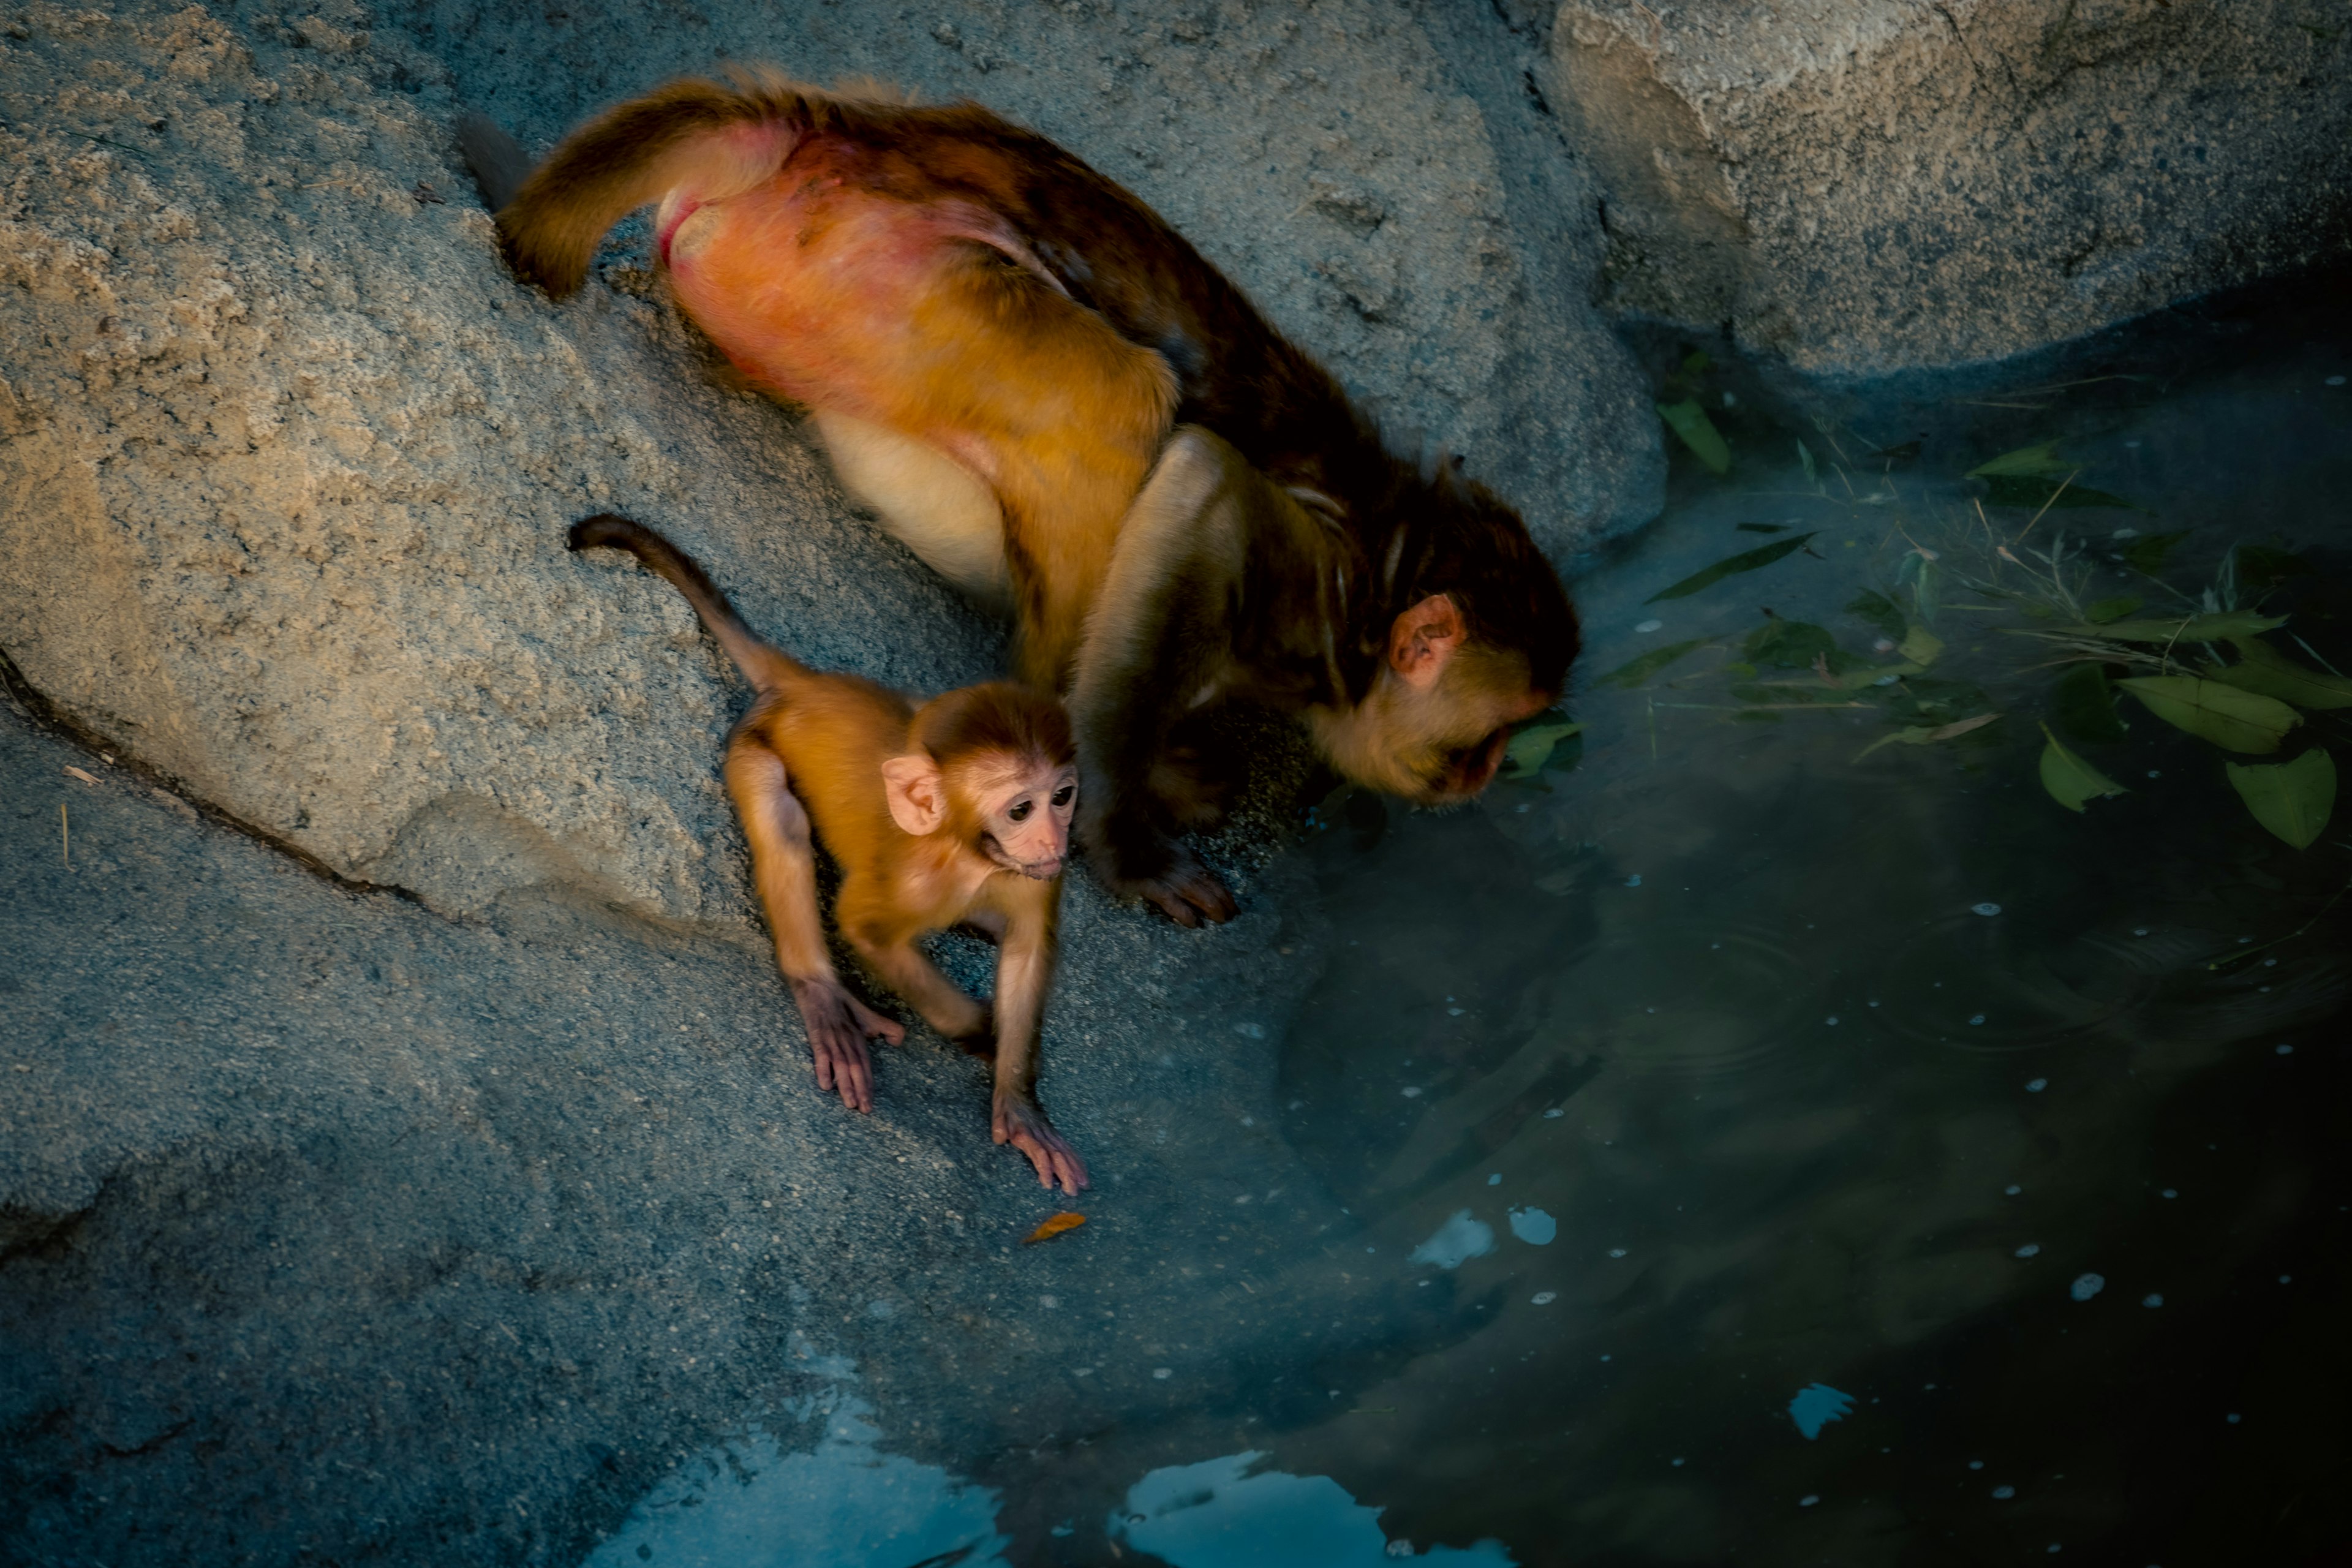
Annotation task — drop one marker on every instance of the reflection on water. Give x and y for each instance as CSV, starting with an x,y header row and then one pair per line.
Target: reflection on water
x,y
1778,1127
756,1503
1217,1514
1859,1087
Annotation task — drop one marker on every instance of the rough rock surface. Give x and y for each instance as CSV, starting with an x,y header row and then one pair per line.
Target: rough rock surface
x,y
1882,186
289,456
333,1229
336,1228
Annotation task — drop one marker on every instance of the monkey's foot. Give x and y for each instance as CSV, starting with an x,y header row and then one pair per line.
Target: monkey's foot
x,y
1016,1119
838,1028
1185,890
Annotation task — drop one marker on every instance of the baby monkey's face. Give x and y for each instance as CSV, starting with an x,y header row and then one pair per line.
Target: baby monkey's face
x,y
1025,807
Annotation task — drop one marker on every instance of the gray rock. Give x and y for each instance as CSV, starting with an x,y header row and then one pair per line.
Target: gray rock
x,y
289,456
1881,186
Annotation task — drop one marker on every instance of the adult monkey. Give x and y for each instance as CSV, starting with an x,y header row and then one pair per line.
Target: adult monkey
x,y
998,343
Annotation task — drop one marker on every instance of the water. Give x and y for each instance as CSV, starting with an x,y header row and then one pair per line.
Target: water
x,y
1755,1143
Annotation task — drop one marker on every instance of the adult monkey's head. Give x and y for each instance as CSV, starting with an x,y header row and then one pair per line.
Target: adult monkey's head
x,y
1463,631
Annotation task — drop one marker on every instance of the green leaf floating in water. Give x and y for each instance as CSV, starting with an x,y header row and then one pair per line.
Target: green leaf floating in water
x,y
1920,645
1531,748
1788,644
1635,671
1879,612
1747,561
2027,490
2086,708
2147,554
2218,627
2293,799
2038,461
1689,421
2259,568
2037,476
2271,673
2071,781
2232,720
1915,736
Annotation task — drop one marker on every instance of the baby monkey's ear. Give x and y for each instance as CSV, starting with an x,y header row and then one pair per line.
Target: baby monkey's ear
x,y
917,793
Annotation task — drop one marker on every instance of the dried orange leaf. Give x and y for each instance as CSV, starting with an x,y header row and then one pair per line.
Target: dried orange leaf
x,y
81,775
1054,1225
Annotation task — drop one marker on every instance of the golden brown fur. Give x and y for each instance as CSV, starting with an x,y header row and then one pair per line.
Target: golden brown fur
x,y
912,803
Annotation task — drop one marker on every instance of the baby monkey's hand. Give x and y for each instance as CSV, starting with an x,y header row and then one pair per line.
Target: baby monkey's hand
x,y
838,1028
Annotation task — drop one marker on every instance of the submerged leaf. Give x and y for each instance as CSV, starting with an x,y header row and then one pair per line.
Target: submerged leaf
x,y
2039,461
2271,673
2115,609
2293,799
1747,561
1915,736
1798,696
1635,671
1054,1225
2232,720
2226,624
1867,675
1805,455
2086,706
2032,491
2259,568
1762,527
1689,421
1920,645
2071,781
1879,612
1531,747
1788,644
2147,554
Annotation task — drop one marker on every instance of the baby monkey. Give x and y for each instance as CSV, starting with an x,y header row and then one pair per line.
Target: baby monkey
x,y
957,812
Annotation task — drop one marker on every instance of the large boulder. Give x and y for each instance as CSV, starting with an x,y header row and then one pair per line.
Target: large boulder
x,y
286,456
1880,185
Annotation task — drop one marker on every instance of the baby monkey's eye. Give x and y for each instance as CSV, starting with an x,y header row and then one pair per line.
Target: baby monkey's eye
x,y
1062,795
1020,811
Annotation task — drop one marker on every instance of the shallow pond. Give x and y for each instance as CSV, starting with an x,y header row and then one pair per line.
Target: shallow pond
x,y
1872,1095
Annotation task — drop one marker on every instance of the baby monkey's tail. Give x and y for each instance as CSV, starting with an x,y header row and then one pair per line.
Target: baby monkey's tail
x,y
763,667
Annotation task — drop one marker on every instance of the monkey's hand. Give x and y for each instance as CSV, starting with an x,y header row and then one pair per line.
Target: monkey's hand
x,y
1184,891
838,1028
1017,1120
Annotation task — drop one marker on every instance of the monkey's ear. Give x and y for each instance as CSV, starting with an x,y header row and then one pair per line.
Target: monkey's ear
x,y
917,793
1424,639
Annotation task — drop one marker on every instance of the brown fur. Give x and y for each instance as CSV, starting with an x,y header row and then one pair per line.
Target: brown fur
x,y
813,752
1061,332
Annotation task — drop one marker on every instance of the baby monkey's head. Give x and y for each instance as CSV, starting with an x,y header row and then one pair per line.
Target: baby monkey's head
x,y
993,765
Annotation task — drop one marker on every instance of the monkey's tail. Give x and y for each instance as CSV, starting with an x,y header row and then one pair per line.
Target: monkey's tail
x,y
714,139
765,668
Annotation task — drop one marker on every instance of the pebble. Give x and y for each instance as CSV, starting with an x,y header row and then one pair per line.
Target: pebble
x,y
2086,1286
2004,1493
1984,908
2151,1299
1649,625
1809,1500
2029,1249
1545,1298
2035,1085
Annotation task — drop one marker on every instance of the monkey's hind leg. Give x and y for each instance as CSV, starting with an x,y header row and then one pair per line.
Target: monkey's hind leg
x,y
783,868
